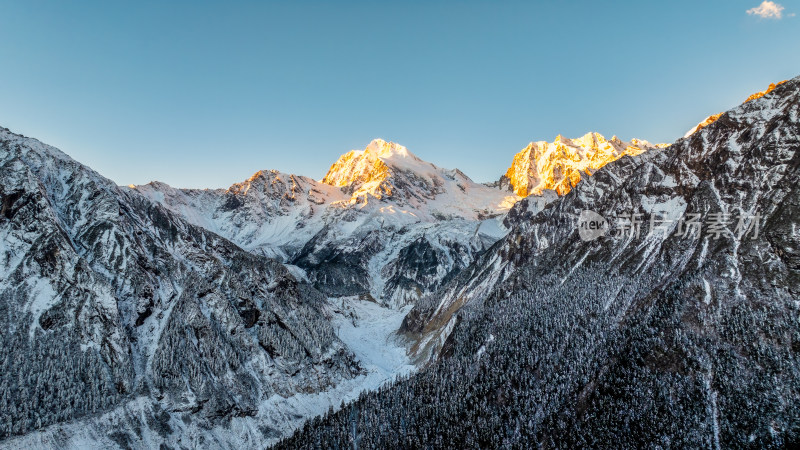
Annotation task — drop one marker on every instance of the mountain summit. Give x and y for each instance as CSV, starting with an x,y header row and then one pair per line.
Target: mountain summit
x,y
558,165
388,170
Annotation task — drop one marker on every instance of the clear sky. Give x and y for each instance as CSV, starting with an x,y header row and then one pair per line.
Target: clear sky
x,y
203,94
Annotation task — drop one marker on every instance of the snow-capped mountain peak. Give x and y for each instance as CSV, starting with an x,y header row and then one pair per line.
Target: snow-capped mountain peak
x,y
388,150
367,171
387,170
357,168
560,165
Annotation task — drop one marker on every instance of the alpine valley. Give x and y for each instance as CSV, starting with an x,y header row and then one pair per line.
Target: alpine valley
x,y
397,304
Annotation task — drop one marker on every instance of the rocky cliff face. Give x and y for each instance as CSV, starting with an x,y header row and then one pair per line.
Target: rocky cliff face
x,y
113,305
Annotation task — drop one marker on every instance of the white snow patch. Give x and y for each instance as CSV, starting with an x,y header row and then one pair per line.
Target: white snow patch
x,y
368,330
493,228
703,253
43,297
297,272
578,264
707,298
713,409
482,350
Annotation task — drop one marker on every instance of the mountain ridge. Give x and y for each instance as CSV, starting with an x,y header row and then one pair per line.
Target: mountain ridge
x,y
673,338
212,317
713,118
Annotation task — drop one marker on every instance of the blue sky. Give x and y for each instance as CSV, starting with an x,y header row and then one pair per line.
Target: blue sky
x,y
203,94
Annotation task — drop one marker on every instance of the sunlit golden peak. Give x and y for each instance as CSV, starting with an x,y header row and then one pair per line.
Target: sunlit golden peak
x,y
560,165
387,150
